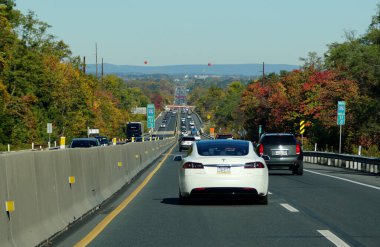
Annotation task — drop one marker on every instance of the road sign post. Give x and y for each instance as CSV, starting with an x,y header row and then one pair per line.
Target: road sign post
x,y
150,115
49,131
341,120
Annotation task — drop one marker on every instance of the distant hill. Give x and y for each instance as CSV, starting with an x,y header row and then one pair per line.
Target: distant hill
x,y
217,69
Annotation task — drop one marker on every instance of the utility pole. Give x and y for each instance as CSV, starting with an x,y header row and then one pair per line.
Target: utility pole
x,y
96,58
102,68
263,73
84,65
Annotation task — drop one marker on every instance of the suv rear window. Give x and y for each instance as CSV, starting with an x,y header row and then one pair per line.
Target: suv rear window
x,y
278,139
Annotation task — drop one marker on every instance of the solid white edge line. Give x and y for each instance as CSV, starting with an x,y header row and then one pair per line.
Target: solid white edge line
x,y
333,238
290,208
344,179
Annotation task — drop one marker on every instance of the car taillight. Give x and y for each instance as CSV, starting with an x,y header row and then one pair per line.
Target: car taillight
x,y
192,165
254,165
261,149
298,149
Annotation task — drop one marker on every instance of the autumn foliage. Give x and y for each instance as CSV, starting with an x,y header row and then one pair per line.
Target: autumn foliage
x,y
305,94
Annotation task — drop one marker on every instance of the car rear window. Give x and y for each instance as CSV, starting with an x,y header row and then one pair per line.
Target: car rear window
x,y
224,136
188,138
83,144
279,139
215,148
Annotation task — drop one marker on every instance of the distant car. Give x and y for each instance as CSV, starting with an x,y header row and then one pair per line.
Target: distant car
x,y
188,116
184,133
283,150
191,122
224,168
186,142
104,141
197,137
163,125
224,136
84,142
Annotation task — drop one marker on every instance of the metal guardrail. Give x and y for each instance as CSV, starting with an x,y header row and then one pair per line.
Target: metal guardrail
x,y
354,162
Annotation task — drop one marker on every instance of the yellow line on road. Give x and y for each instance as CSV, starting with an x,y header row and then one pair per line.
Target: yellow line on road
x,y
103,224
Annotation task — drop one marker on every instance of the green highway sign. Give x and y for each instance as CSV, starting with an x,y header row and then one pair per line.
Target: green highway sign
x,y
341,119
150,115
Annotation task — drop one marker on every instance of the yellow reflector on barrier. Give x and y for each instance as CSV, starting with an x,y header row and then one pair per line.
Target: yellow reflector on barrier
x,y
72,180
9,206
63,142
119,164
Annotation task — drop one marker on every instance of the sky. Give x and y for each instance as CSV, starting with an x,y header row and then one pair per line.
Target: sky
x,y
176,32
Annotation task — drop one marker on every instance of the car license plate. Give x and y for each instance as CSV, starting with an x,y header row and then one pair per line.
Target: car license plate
x,y
280,152
224,170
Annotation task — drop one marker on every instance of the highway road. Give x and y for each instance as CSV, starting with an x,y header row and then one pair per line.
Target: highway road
x,y
326,206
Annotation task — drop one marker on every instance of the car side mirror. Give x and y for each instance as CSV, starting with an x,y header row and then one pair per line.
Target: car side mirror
x,y
178,158
265,157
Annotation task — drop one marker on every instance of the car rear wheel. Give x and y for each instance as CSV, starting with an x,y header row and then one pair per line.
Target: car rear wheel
x,y
263,200
182,199
299,170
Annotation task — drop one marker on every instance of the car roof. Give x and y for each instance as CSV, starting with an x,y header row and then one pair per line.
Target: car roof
x,y
277,134
188,137
206,147
84,139
223,141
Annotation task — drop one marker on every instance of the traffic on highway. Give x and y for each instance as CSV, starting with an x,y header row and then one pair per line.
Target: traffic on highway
x,y
190,123
326,206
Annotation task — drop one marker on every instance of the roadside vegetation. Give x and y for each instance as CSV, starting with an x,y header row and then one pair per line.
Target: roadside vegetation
x,y
348,71
41,82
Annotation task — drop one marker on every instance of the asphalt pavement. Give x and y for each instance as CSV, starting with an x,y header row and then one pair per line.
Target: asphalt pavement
x,y
326,206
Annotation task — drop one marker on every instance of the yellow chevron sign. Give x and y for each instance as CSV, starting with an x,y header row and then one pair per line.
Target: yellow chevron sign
x,y
302,127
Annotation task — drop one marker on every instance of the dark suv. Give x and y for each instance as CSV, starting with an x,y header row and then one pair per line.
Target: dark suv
x,y
283,150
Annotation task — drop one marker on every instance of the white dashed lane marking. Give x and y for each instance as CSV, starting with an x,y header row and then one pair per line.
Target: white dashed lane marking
x,y
333,238
290,208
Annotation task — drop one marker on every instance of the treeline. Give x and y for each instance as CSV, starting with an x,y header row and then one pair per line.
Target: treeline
x,y
349,71
41,82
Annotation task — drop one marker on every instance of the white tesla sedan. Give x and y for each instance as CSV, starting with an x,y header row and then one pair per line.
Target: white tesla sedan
x,y
222,167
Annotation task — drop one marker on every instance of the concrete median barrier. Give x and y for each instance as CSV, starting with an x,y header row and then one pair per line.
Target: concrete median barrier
x,y
22,188
52,189
5,227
